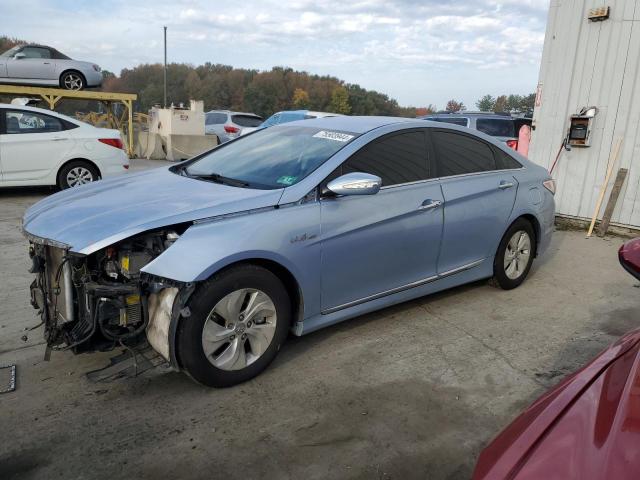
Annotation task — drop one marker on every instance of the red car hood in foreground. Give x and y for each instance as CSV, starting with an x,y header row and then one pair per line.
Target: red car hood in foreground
x,y
587,427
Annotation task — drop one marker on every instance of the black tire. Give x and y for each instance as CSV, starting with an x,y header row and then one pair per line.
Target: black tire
x,y
500,278
88,170
190,351
72,80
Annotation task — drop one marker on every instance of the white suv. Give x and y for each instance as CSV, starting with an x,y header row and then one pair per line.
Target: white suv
x,y
41,147
228,125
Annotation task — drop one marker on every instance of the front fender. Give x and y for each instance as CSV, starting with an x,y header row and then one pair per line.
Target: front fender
x,y
288,236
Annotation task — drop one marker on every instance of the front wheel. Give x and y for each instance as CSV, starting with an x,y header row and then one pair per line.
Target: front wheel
x,y
239,320
514,256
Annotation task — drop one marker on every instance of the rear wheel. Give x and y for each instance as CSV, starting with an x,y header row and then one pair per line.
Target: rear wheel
x,y
72,81
77,173
515,255
239,320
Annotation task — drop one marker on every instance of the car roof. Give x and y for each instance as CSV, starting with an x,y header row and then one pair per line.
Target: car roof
x,y
356,124
468,114
232,112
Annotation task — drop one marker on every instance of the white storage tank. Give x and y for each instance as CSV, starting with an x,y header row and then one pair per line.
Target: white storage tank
x,y
178,120
591,58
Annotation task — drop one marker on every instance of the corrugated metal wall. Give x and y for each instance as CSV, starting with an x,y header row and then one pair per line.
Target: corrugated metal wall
x,y
591,64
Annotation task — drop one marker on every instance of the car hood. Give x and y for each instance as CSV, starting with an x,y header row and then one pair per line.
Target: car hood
x,y
91,217
586,427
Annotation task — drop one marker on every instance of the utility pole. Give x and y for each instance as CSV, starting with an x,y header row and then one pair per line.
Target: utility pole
x,y
165,68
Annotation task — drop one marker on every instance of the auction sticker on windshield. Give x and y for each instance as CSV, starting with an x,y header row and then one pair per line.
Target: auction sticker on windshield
x,y
337,136
286,180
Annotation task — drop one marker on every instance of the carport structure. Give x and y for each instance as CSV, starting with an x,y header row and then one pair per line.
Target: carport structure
x,y
53,96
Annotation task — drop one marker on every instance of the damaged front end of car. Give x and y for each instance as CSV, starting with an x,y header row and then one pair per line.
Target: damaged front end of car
x,y
103,300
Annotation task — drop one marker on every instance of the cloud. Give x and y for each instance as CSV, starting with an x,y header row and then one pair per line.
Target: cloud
x,y
320,36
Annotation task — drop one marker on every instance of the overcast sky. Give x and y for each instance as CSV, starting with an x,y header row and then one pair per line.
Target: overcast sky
x,y
417,51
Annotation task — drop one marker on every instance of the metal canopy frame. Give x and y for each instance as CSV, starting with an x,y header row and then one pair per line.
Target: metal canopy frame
x,y
54,95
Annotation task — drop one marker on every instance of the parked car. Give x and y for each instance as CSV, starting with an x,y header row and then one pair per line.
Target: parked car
x,y
41,65
41,147
587,427
228,125
290,116
294,227
503,126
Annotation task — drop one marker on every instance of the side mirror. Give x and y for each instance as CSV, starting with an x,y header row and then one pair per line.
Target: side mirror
x,y
356,183
19,56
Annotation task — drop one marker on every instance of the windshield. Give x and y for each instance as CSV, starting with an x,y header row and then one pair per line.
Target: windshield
x,y
276,157
12,51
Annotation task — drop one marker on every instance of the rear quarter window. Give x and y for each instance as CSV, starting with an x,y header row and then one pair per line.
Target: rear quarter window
x,y
496,127
504,161
246,120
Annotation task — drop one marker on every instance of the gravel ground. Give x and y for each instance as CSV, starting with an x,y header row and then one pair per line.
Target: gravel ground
x,y
413,391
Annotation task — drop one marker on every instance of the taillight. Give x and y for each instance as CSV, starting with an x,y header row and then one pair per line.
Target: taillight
x,y
231,129
550,185
512,144
114,142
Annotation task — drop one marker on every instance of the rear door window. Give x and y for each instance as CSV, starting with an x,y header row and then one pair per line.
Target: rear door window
x,y
459,154
246,120
396,159
496,127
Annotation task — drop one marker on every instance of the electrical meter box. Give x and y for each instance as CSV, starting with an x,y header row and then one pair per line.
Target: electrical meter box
x,y
580,131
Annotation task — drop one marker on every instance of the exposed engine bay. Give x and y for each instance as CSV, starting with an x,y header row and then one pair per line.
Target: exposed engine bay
x,y
100,301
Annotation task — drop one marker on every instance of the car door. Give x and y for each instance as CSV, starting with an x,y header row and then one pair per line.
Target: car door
x,y
35,64
375,244
478,198
32,144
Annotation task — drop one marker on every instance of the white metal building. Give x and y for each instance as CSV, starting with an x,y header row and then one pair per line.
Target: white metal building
x,y
591,62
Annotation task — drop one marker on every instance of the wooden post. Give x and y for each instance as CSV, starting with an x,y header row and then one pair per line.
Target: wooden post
x,y
129,104
611,204
612,161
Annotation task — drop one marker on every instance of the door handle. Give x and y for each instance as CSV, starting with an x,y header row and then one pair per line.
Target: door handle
x,y
58,139
430,204
504,185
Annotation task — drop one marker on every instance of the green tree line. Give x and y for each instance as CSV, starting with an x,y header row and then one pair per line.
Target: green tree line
x,y
507,103
261,92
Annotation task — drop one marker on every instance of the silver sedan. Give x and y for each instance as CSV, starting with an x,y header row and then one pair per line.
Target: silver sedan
x,y
41,65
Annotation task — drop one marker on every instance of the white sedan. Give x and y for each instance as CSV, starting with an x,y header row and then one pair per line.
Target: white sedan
x,y
41,147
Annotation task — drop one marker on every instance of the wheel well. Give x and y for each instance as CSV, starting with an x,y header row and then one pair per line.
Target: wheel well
x,y
289,281
78,160
75,71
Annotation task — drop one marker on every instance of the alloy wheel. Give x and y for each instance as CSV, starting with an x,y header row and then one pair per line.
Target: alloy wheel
x,y
239,329
79,176
517,254
72,81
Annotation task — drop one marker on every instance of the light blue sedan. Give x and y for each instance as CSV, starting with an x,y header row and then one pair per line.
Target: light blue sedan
x,y
291,228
